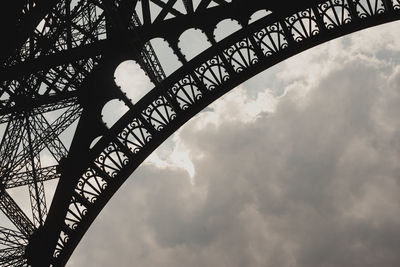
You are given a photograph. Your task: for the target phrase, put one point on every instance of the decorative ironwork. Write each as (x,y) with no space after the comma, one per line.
(213,72)
(25,178)
(335,13)
(91,185)
(367,8)
(111,160)
(12,256)
(186,92)
(159,113)
(396,4)
(15,214)
(76,212)
(12,238)
(271,39)
(134,136)
(241,55)
(303,25)
(65,63)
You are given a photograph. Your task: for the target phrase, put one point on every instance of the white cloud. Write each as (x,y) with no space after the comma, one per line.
(178,156)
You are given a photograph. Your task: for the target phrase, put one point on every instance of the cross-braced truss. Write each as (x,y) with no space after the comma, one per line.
(57,74)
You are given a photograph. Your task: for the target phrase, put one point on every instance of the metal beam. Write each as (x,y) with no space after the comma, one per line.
(46,137)
(54,144)
(36,189)
(12,256)
(15,214)
(25,178)
(9,145)
(12,238)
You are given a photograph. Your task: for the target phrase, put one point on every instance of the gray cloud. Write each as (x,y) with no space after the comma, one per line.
(315,183)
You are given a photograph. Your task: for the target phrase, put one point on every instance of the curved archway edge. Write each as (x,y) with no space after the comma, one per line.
(187,91)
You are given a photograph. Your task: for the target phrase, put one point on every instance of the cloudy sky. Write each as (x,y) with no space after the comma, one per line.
(297,167)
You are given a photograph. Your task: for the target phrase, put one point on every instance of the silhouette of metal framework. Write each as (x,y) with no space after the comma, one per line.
(61,56)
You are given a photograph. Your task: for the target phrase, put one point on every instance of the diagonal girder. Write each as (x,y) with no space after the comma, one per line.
(38,201)
(150,62)
(26,21)
(12,238)
(55,146)
(25,178)
(15,214)
(46,137)
(9,144)
(167,9)
(36,189)
(62,57)
(82,24)
(40,105)
(12,256)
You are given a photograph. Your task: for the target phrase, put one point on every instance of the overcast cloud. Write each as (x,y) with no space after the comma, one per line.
(298,167)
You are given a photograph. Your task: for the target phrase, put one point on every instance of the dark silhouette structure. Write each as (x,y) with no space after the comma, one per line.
(61,55)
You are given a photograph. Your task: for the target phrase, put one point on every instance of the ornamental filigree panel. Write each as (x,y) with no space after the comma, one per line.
(76,211)
(367,8)
(334,13)
(241,55)
(111,160)
(212,73)
(396,4)
(159,113)
(186,92)
(90,185)
(134,136)
(61,242)
(271,39)
(302,25)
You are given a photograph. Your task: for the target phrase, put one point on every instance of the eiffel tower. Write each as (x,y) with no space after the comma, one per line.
(58,60)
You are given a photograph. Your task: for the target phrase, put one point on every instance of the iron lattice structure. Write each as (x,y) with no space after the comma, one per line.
(61,56)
